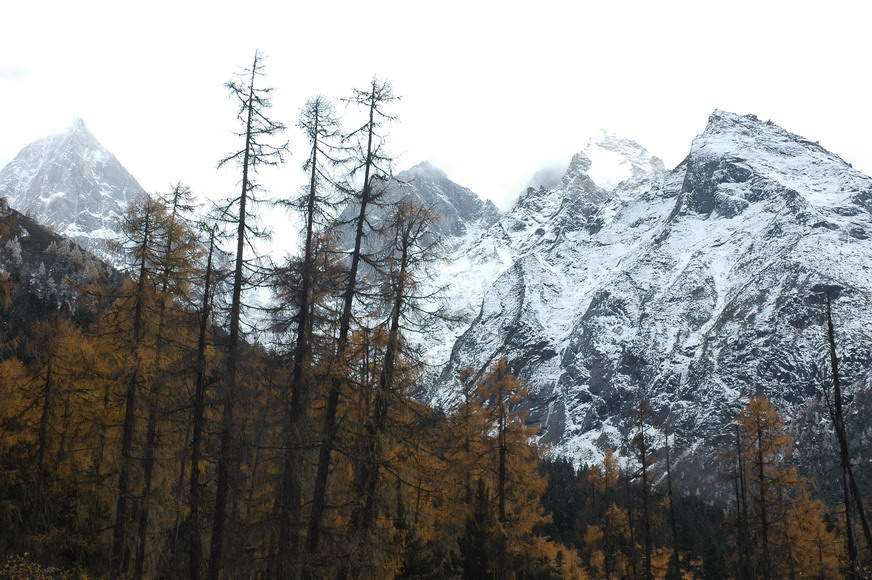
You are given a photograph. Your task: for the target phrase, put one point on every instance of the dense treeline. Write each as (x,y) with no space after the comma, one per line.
(145,433)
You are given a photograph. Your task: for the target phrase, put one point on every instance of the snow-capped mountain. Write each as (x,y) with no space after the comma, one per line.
(461,213)
(72,184)
(690,289)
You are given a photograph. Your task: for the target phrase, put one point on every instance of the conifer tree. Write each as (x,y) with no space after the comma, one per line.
(518,485)
(176,254)
(195,503)
(781,517)
(674,570)
(403,261)
(641,447)
(141,227)
(319,122)
(852,499)
(370,160)
(477,542)
(257,131)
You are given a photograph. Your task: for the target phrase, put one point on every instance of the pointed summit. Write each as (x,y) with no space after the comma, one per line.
(611,159)
(459,208)
(72,184)
(740,160)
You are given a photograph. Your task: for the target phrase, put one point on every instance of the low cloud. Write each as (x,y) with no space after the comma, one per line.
(548,176)
(9,73)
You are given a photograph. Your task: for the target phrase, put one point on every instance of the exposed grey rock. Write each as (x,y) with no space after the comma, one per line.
(691,289)
(72,184)
(458,209)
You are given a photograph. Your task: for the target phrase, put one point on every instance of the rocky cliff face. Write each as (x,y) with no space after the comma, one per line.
(72,184)
(690,289)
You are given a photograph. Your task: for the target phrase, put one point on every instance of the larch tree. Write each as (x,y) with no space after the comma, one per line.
(781,518)
(606,536)
(517,483)
(192,538)
(740,488)
(674,569)
(257,133)
(403,262)
(851,497)
(177,254)
(641,446)
(132,316)
(370,161)
(319,122)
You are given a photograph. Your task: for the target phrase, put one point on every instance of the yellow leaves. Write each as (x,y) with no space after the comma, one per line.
(814,549)
(21,567)
(800,541)
(605,477)
(593,536)
(12,374)
(13,378)
(617,522)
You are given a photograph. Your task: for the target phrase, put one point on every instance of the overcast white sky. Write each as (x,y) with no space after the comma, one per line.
(492,91)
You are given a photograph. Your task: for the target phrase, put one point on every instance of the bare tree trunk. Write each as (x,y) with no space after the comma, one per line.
(744,540)
(646,515)
(175,551)
(42,435)
(674,570)
(290,494)
(329,429)
(195,547)
(151,436)
(631,527)
(764,516)
(851,496)
(226,452)
(147,475)
(385,383)
(119,534)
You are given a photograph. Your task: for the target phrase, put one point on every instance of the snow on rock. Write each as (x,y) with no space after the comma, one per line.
(614,160)
(690,289)
(72,184)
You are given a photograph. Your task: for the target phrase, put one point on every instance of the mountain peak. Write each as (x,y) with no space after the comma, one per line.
(72,184)
(425,169)
(614,159)
(785,167)
(606,161)
(749,130)
(688,289)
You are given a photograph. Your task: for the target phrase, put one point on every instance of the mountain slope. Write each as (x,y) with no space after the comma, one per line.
(690,289)
(72,184)
(45,270)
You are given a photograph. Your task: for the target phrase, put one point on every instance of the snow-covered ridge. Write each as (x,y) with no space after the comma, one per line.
(690,288)
(613,160)
(72,184)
